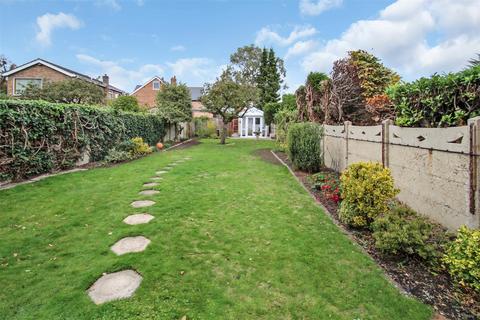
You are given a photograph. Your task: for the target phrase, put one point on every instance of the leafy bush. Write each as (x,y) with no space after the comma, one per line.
(283,119)
(205,128)
(126,103)
(462,258)
(139,148)
(38,137)
(304,146)
(66,91)
(329,184)
(367,189)
(269,111)
(114,156)
(439,101)
(402,231)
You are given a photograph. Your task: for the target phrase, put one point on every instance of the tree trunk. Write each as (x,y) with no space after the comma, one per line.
(223,133)
(176,132)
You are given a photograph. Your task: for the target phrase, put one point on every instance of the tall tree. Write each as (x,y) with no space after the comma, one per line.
(174,104)
(228,98)
(274,77)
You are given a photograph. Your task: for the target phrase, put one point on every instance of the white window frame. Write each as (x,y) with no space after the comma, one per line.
(24,78)
(153,84)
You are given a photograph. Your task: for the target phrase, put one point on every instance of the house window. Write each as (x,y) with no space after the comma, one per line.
(156,85)
(22,83)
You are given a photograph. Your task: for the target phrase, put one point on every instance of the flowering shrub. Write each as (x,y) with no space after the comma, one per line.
(329,184)
(367,188)
(139,148)
(463,257)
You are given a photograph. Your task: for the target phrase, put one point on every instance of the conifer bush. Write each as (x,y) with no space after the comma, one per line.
(304,146)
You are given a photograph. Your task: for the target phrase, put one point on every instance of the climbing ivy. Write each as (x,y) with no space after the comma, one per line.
(38,137)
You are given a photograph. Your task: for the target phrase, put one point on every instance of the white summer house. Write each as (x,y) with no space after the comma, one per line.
(252,123)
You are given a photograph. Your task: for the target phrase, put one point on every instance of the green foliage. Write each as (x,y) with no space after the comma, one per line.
(205,128)
(174,103)
(401,231)
(228,98)
(288,102)
(283,119)
(269,111)
(126,103)
(38,137)
(139,148)
(462,257)
(439,101)
(373,75)
(367,189)
(315,79)
(115,156)
(304,146)
(270,77)
(66,91)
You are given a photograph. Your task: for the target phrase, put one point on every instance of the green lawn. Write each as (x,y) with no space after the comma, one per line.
(234,237)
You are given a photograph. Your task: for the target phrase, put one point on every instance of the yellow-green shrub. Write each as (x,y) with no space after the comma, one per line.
(462,258)
(139,147)
(367,188)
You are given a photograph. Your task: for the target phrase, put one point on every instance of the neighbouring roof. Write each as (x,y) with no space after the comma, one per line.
(138,87)
(66,71)
(196,93)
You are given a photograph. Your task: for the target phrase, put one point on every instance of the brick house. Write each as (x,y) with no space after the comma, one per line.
(39,71)
(146,95)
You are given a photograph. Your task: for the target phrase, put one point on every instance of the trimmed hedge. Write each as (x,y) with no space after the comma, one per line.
(38,137)
(438,101)
(304,146)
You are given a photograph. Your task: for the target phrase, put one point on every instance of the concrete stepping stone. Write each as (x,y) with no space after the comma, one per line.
(114,286)
(142,203)
(149,192)
(130,244)
(167,168)
(139,218)
(161,172)
(156,178)
(150,184)
(173,164)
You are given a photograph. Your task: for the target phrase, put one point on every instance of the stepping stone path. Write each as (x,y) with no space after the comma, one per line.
(149,192)
(139,218)
(142,203)
(150,184)
(123,284)
(114,286)
(130,244)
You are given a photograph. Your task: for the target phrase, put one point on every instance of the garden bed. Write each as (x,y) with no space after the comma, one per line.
(412,275)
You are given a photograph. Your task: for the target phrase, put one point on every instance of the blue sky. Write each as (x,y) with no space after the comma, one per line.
(135,40)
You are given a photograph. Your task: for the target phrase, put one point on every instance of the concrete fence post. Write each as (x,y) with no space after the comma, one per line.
(474,139)
(346,125)
(386,141)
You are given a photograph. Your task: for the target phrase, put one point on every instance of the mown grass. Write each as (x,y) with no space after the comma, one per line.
(234,237)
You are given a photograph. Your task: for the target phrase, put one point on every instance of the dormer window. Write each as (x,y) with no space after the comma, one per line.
(156,85)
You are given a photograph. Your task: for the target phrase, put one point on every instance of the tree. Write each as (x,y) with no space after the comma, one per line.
(253,66)
(274,78)
(126,103)
(288,102)
(228,98)
(5,65)
(66,91)
(474,61)
(174,104)
(269,111)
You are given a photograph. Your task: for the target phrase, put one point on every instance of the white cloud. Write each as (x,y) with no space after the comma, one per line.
(140,3)
(313,8)
(49,22)
(416,37)
(177,48)
(121,77)
(267,36)
(301,47)
(109,3)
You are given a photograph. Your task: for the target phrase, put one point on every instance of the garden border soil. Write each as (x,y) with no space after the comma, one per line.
(411,276)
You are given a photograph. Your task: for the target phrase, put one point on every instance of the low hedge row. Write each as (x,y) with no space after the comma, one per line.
(38,137)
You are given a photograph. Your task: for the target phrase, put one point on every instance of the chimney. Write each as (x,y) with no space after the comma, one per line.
(106,81)
(173,80)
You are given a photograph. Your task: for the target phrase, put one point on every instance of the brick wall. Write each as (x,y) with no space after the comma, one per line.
(38,72)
